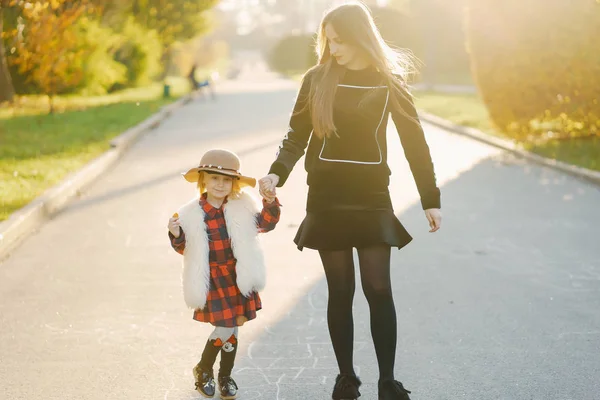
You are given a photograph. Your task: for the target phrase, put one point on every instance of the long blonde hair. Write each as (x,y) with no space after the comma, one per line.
(354,24)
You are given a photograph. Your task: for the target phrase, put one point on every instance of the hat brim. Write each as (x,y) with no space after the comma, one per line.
(194,174)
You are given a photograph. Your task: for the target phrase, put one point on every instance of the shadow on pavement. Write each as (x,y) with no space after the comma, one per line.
(500,304)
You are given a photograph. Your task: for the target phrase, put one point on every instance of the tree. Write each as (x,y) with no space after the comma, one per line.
(537,65)
(293,54)
(47,48)
(440,38)
(173,20)
(7,92)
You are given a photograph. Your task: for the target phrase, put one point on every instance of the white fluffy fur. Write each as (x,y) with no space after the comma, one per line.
(240,217)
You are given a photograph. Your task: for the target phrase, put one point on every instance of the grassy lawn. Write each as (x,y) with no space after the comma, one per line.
(468,110)
(462,109)
(584,152)
(38,150)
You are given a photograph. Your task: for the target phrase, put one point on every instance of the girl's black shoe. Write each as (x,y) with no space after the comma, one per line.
(392,390)
(228,388)
(205,382)
(346,387)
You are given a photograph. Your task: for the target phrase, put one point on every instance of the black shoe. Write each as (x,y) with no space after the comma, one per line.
(392,390)
(205,382)
(346,387)
(228,388)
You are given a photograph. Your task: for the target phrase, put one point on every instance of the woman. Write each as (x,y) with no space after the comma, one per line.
(341,114)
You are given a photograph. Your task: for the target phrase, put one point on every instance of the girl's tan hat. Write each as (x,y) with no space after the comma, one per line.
(222,162)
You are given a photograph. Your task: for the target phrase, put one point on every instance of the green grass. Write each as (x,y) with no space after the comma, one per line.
(468,110)
(34,105)
(462,109)
(38,150)
(584,152)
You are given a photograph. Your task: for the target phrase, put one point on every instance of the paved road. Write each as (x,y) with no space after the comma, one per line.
(502,303)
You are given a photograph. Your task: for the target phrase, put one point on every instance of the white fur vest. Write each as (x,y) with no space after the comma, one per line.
(240,217)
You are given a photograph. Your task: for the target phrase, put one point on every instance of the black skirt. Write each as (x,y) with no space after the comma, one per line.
(338,222)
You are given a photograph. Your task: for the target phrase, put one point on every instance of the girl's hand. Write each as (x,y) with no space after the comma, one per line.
(268,196)
(434,216)
(174,226)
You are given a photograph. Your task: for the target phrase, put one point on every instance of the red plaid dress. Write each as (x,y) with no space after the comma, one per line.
(225,302)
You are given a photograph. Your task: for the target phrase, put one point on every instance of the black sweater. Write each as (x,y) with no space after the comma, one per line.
(357,159)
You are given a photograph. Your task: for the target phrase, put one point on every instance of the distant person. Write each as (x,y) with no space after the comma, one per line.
(341,115)
(208,84)
(223,265)
(192,78)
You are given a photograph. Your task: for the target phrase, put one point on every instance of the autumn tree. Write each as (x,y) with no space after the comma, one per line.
(47,49)
(173,20)
(7,91)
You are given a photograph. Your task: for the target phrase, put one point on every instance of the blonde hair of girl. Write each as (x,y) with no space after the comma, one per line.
(354,24)
(236,189)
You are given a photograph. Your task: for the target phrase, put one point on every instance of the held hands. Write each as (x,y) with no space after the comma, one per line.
(434,216)
(174,226)
(267,190)
(267,187)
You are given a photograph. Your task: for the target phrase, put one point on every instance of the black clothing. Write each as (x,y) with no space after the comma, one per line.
(355,163)
(376,284)
(348,203)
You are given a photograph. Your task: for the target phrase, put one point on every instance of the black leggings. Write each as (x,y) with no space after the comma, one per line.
(375,278)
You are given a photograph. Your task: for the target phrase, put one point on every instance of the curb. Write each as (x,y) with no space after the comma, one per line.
(33,215)
(504,144)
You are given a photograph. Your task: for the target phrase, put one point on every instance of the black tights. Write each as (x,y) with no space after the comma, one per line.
(375,278)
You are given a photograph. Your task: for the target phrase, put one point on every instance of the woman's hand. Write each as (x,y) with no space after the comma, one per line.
(174,225)
(434,216)
(267,187)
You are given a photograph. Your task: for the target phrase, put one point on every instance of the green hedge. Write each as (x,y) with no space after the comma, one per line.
(100,70)
(139,50)
(293,54)
(537,65)
(115,58)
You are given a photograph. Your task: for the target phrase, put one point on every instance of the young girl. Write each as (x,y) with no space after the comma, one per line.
(223,262)
(341,114)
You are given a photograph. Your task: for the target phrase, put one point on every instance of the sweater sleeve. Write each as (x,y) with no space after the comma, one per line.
(417,153)
(295,141)
(268,218)
(178,243)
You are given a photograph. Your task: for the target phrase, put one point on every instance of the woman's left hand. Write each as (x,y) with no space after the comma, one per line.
(434,216)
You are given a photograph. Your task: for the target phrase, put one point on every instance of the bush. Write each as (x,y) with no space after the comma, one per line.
(293,54)
(139,50)
(113,60)
(100,70)
(537,65)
